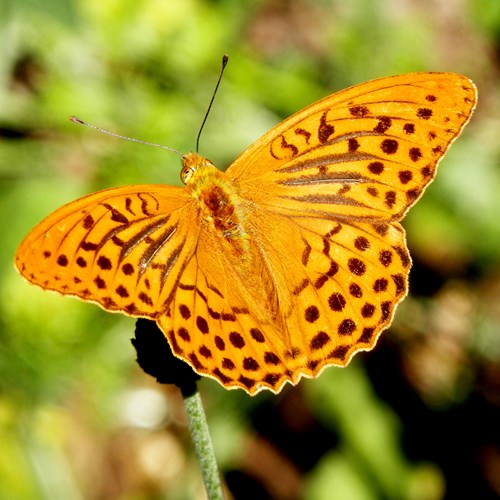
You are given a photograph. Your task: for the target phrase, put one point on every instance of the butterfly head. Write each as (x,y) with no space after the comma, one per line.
(194,165)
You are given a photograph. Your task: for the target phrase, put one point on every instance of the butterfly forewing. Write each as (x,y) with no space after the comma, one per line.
(121,248)
(365,153)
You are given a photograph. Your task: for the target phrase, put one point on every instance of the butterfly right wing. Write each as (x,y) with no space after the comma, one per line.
(122,248)
(363,154)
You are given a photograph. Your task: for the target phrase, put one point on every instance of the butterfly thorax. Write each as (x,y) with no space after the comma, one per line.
(216,195)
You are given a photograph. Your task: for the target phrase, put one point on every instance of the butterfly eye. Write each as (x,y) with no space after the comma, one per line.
(186,173)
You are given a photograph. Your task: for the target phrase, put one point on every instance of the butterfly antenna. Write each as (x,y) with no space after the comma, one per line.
(77,120)
(225,59)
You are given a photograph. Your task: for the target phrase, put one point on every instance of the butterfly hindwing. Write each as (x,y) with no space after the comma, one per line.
(336,286)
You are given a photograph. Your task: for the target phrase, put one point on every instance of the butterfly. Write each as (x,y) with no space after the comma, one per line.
(292,260)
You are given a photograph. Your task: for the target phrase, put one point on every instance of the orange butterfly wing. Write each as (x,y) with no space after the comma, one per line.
(364,153)
(123,248)
(292,260)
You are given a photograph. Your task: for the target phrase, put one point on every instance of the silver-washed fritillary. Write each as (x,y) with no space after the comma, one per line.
(290,261)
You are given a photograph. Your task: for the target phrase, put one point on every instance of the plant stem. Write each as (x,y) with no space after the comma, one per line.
(198,428)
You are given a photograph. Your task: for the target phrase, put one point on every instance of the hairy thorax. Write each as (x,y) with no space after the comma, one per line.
(219,203)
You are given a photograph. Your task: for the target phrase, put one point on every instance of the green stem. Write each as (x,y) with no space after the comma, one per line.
(198,428)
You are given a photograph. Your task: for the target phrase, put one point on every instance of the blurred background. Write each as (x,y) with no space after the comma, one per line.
(417,418)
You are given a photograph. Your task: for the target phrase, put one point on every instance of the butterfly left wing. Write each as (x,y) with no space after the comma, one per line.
(224,318)
(121,248)
(363,154)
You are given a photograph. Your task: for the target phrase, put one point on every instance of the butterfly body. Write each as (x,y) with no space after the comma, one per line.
(290,261)
(216,196)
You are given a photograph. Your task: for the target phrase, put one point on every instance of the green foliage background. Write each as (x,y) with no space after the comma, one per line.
(78,419)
